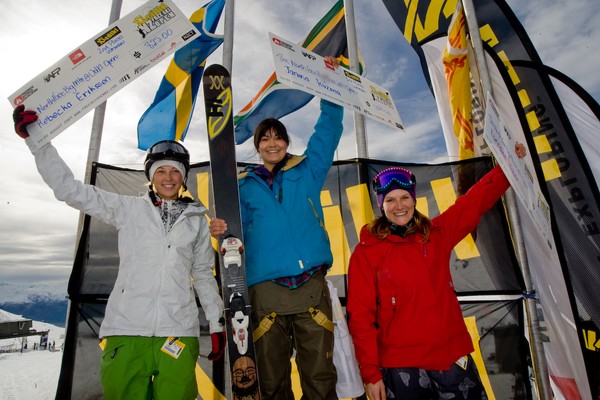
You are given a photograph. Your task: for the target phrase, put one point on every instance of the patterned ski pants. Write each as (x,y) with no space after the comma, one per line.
(419,384)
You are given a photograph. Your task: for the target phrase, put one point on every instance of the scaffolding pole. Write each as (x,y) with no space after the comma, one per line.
(359,119)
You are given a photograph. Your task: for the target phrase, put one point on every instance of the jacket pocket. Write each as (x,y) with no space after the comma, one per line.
(112,349)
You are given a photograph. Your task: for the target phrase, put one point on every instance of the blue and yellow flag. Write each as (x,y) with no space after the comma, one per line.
(169,115)
(274,99)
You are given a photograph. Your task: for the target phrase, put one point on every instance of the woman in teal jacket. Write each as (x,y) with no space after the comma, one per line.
(284,232)
(288,254)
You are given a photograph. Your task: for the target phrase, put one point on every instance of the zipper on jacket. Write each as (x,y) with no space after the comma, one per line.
(169,211)
(389,324)
(316,214)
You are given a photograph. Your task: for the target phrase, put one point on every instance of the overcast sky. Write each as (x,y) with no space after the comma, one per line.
(37,233)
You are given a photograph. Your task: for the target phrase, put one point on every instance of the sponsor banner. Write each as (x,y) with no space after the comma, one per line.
(101,66)
(307,71)
(557,119)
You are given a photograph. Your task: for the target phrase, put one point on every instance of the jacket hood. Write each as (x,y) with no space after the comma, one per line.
(291,162)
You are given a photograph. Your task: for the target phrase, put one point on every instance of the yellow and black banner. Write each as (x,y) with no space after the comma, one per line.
(559,121)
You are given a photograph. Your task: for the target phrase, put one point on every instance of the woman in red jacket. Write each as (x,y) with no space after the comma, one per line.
(408,330)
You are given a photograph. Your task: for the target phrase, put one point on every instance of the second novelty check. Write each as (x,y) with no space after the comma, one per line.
(301,69)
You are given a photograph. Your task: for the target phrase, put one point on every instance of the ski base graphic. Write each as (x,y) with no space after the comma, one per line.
(223,169)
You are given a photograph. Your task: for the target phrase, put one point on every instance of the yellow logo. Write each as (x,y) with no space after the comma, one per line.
(218,109)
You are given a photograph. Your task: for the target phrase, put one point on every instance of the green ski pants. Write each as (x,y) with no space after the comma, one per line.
(135,368)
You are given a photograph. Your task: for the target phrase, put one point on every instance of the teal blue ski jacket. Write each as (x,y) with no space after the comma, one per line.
(284,229)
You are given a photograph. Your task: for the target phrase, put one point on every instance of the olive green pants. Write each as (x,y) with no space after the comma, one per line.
(294,329)
(135,368)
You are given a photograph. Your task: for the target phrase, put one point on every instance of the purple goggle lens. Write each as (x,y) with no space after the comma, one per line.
(403,178)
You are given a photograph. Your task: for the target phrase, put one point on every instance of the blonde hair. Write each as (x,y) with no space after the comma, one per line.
(380,227)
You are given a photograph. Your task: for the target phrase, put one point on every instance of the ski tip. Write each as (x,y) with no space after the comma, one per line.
(216,69)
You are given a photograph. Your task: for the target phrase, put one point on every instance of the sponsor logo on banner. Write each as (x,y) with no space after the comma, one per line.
(157,57)
(188,35)
(352,76)
(381,97)
(107,36)
(154,19)
(310,56)
(53,74)
(23,96)
(76,56)
(138,70)
(283,44)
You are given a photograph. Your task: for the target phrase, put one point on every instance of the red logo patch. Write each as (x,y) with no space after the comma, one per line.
(76,56)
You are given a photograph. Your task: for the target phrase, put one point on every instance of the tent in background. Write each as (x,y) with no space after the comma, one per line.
(485,271)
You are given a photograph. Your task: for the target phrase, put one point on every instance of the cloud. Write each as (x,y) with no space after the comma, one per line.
(566,36)
(37,233)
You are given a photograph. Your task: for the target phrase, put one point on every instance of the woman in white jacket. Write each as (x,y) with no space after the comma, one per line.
(151,321)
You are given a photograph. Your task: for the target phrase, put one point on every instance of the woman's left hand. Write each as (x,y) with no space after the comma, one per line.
(333,61)
(217,227)
(376,391)
(520,150)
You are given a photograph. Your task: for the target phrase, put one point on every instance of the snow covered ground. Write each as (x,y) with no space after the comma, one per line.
(30,374)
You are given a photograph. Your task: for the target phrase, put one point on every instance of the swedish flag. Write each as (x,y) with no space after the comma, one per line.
(169,115)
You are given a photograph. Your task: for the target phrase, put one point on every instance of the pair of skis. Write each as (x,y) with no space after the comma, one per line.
(223,169)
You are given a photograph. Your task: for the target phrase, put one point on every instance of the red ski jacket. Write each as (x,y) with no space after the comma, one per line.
(402,308)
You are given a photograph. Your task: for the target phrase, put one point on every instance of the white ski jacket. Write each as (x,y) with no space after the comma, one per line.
(153,294)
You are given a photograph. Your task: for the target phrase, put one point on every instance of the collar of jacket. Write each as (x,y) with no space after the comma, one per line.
(291,163)
(194,203)
(366,238)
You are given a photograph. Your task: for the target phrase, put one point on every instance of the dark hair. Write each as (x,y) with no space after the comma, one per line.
(265,126)
(380,227)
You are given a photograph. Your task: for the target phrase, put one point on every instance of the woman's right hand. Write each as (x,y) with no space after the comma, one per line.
(376,391)
(22,118)
(217,227)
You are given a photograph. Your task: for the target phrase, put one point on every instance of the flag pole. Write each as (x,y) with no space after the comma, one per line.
(65,379)
(359,119)
(538,355)
(228,35)
(98,121)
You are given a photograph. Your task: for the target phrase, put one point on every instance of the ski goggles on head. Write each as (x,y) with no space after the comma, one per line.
(167,147)
(385,179)
(166,150)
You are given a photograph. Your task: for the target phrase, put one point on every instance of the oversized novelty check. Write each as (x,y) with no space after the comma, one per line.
(520,172)
(307,71)
(102,66)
